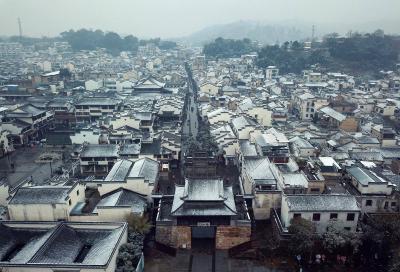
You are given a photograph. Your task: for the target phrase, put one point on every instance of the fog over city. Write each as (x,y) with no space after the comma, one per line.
(176,18)
(200,135)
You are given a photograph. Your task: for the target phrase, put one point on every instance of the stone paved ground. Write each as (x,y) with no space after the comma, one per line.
(160,262)
(25,166)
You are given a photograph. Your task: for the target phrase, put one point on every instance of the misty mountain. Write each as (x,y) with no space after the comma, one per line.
(262,32)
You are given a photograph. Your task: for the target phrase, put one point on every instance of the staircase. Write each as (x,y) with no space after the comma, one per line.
(247,250)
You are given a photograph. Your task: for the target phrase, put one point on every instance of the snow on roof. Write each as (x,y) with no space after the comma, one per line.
(123,198)
(260,170)
(60,243)
(306,96)
(242,122)
(333,114)
(203,197)
(321,203)
(295,179)
(145,168)
(41,195)
(247,148)
(204,190)
(51,74)
(300,142)
(119,171)
(364,176)
(328,161)
(94,150)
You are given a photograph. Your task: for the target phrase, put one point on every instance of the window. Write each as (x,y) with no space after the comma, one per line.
(347,228)
(297,215)
(316,217)
(393,204)
(333,216)
(315,190)
(77,192)
(306,115)
(386,205)
(368,202)
(69,202)
(351,216)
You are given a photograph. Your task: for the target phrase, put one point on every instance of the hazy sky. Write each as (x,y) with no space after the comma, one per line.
(173,18)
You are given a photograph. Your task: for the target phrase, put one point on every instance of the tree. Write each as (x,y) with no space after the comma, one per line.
(338,240)
(296,46)
(228,48)
(381,237)
(130,253)
(302,239)
(138,224)
(394,265)
(113,42)
(131,43)
(65,73)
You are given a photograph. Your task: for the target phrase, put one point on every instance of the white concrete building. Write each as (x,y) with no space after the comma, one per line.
(45,203)
(260,113)
(60,246)
(209,88)
(219,115)
(243,126)
(320,209)
(140,176)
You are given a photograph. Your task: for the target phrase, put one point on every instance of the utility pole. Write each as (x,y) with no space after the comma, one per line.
(20,28)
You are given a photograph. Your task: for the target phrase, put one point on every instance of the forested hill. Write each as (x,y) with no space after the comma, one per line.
(228,48)
(84,39)
(358,52)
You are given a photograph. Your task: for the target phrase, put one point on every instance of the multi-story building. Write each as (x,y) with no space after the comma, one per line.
(97,160)
(321,209)
(91,109)
(45,203)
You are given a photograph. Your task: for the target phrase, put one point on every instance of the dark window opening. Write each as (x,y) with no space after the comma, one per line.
(334,216)
(297,215)
(351,216)
(316,217)
(368,202)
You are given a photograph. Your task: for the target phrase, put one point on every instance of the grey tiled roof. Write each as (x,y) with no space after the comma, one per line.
(145,168)
(124,198)
(333,114)
(94,150)
(321,203)
(364,176)
(259,169)
(203,197)
(119,171)
(59,243)
(41,195)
